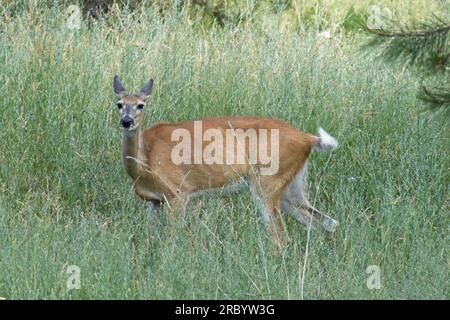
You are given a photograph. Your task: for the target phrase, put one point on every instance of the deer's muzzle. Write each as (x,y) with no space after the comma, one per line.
(127,122)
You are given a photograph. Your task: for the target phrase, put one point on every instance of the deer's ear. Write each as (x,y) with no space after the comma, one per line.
(146,91)
(118,87)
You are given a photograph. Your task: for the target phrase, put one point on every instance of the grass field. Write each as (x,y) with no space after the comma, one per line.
(66,200)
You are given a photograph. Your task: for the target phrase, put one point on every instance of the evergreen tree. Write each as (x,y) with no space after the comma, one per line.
(426,48)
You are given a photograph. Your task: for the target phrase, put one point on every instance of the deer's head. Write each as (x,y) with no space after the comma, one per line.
(131,106)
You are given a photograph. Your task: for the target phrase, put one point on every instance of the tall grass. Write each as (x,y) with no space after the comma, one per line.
(66,200)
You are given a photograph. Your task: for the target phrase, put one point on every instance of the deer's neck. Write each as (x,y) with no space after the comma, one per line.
(131,153)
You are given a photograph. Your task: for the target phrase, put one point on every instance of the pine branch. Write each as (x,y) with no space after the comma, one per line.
(423,34)
(436,98)
(426,46)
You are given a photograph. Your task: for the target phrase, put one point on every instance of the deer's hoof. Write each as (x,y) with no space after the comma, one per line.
(330,225)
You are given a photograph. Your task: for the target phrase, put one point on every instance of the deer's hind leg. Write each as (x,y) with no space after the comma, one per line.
(268,195)
(294,201)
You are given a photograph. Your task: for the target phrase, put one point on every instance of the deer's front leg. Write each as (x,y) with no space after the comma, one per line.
(154,208)
(147,195)
(177,205)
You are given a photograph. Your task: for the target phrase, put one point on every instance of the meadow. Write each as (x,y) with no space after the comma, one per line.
(65,198)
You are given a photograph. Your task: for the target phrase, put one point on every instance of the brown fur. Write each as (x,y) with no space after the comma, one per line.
(155,173)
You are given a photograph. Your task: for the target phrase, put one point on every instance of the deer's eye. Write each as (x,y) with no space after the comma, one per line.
(119,106)
(140,106)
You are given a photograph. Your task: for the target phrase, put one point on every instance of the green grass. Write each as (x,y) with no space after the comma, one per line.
(66,200)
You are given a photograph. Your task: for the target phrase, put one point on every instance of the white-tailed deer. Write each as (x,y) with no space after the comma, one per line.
(172,162)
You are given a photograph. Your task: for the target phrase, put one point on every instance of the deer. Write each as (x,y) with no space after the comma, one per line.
(163,173)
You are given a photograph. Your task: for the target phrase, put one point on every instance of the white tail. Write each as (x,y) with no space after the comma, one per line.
(325,141)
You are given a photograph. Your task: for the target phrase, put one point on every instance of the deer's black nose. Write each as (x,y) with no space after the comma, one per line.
(126,122)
